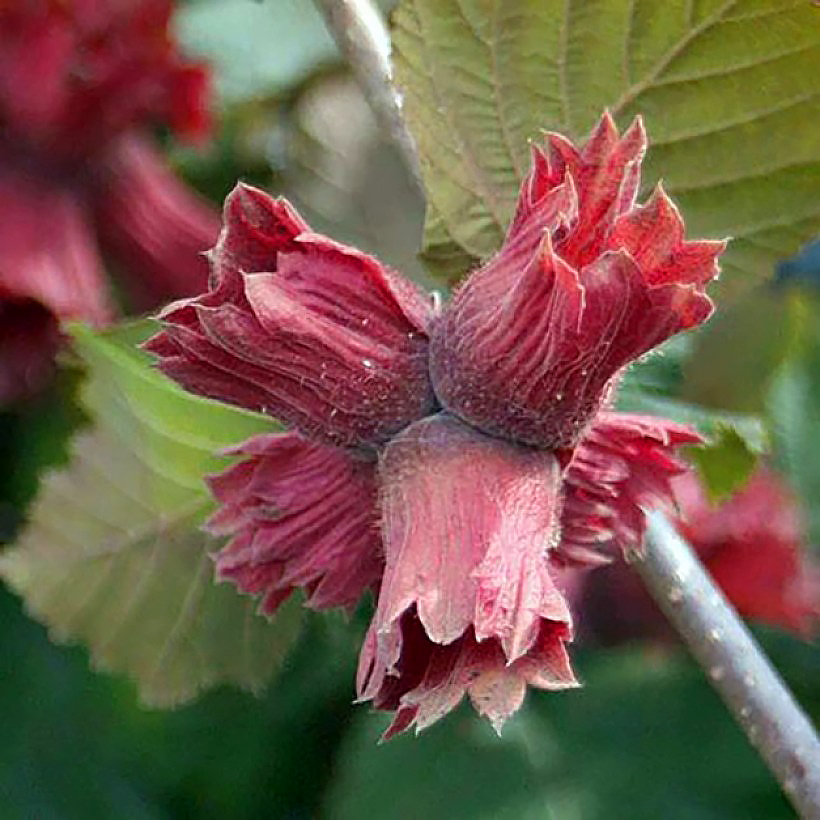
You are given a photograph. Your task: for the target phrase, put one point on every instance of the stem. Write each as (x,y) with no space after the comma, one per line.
(361,35)
(737,668)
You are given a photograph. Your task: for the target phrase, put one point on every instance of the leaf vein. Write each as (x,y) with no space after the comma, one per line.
(727,71)
(734,179)
(136,594)
(190,605)
(717,128)
(665,61)
(760,15)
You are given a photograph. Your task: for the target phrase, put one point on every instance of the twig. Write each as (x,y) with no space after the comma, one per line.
(736,666)
(360,33)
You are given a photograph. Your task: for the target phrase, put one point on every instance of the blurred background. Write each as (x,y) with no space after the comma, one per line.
(645,737)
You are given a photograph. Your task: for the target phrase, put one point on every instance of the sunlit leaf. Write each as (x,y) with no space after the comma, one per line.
(728,89)
(113,556)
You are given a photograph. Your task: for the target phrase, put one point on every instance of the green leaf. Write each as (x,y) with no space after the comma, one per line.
(113,556)
(725,465)
(728,89)
(580,754)
(634,740)
(34,437)
(659,372)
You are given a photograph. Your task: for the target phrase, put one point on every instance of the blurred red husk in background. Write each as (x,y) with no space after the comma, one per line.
(81,81)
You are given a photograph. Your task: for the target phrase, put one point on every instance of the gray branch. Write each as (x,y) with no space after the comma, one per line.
(358,28)
(734,662)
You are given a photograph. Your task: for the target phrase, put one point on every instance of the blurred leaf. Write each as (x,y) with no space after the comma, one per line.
(234,153)
(795,428)
(659,372)
(794,410)
(256,48)
(229,757)
(113,555)
(226,755)
(458,770)
(725,465)
(729,91)
(736,355)
(49,766)
(733,441)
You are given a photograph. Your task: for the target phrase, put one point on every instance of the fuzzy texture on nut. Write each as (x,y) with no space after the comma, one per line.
(468,603)
(467,523)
